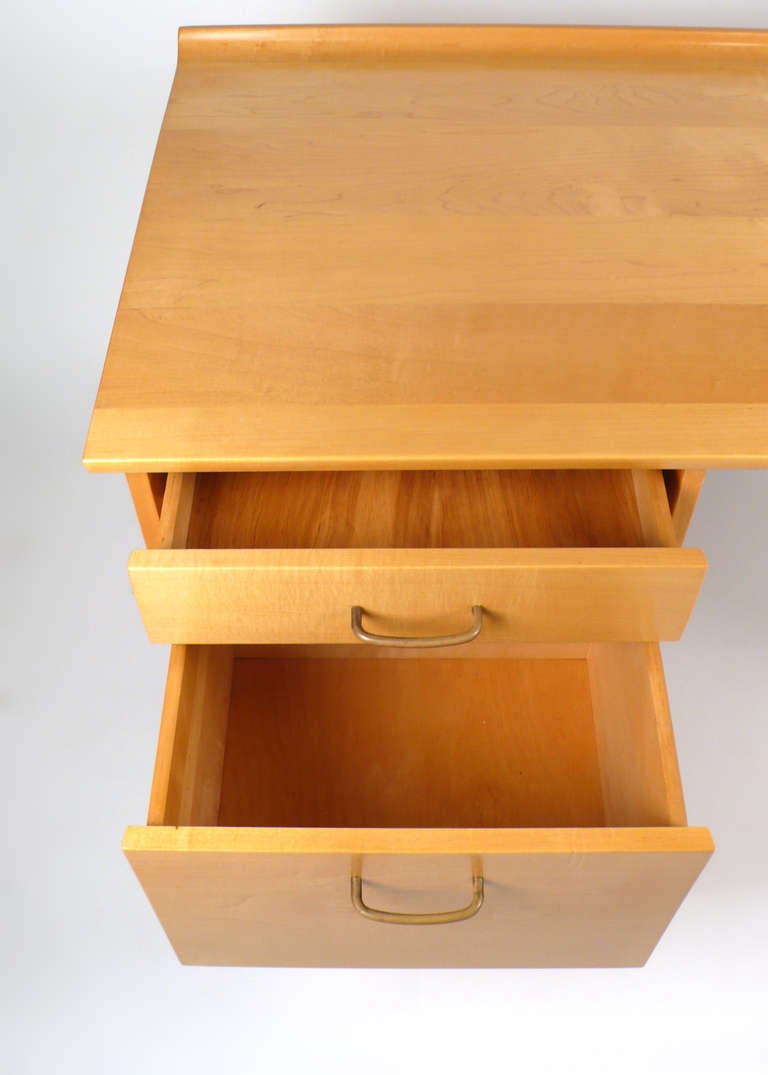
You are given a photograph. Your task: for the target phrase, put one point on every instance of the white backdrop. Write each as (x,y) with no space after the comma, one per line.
(88,982)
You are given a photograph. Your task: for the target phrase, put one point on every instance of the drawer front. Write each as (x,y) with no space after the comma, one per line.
(281,897)
(305,596)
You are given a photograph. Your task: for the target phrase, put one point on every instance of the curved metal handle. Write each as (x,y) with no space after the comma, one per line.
(400,918)
(417,643)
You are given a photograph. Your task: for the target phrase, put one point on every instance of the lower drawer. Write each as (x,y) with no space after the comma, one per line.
(488,806)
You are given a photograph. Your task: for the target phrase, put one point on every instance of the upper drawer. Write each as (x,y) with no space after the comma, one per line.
(284,558)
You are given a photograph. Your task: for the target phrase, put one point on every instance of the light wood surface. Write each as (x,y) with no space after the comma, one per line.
(683,488)
(526,247)
(358,437)
(646,45)
(411,744)
(147,500)
(190,755)
(553,898)
(305,595)
(635,742)
(498,741)
(420,509)
(653,508)
(333,766)
(176,511)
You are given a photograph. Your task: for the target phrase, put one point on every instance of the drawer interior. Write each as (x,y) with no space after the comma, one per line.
(497,736)
(429,509)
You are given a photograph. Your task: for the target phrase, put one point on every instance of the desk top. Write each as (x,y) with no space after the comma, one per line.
(374,247)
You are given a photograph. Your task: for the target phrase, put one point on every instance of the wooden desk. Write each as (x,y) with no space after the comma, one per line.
(427,320)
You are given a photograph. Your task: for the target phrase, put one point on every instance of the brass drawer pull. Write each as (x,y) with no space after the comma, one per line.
(417,643)
(435,918)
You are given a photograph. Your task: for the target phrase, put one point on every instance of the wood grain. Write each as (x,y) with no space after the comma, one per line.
(635,742)
(188,769)
(683,488)
(208,44)
(653,509)
(280,897)
(411,744)
(469,436)
(147,505)
(570,260)
(531,353)
(176,511)
(305,595)
(418,509)
(537,260)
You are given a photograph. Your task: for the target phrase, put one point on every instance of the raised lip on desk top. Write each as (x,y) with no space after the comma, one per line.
(220,43)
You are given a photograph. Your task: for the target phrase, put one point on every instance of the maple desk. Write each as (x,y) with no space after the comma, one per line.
(443,324)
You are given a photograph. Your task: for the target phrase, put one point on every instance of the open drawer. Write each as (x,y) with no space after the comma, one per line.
(492,805)
(567,556)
